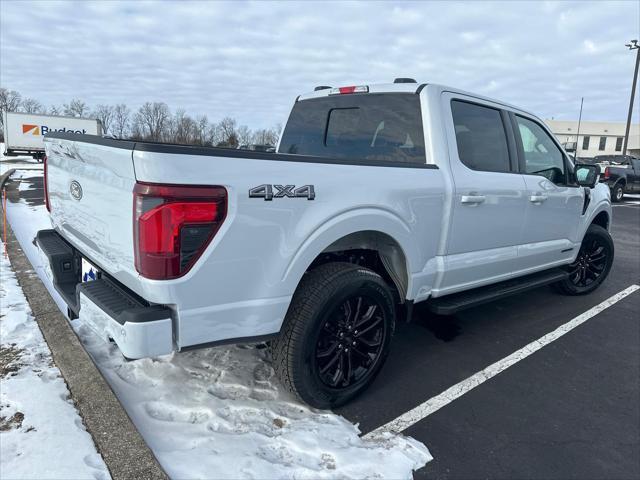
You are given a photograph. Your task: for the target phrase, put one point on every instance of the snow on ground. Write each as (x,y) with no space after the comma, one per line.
(24,185)
(24,162)
(41,433)
(221,413)
(18,164)
(26,220)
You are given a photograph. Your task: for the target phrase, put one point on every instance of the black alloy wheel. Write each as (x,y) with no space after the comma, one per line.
(350,343)
(592,264)
(336,335)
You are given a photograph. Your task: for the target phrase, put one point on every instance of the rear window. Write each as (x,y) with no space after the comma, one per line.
(480,136)
(374,127)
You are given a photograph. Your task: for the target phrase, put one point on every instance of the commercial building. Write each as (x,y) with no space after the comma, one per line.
(596,138)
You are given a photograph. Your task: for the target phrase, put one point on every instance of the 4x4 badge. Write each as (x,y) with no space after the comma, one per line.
(266,192)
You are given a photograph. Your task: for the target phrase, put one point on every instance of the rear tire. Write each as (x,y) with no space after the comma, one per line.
(592,265)
(617,192)
(336,335)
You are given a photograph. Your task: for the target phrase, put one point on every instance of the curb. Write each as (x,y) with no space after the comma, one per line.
(116,438)
(5,176)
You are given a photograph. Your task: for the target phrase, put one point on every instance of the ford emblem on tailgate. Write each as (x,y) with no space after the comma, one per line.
(76,190)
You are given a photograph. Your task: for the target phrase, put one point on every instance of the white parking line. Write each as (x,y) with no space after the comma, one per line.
(434,404)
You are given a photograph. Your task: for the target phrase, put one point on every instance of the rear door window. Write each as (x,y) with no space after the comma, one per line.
(480,137)
(373,127)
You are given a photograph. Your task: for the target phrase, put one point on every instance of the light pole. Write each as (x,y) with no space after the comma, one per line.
(633,45)
(575,153)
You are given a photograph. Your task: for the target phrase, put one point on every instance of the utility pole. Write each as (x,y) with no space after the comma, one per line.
(575,154)
(633,45)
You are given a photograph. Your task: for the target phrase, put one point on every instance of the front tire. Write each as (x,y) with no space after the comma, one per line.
(336,335)
(617,193)
(592,265)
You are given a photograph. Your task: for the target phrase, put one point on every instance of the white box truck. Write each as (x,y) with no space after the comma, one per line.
(24,132)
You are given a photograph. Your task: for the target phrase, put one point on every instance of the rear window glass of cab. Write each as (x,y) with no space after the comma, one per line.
(373,127)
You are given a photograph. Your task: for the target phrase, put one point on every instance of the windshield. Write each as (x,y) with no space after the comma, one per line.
(375,127)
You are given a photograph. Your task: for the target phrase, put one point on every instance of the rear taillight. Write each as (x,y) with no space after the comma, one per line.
(352,89)
(46,184)
(173,225)
(606,173)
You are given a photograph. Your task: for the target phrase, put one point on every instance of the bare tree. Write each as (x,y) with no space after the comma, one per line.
(136,132)
(9,102)
(120,124)
(228,134)
(245,135)
(76,108)
(151,121)
(31,105)
(213,135)
(184,129)
(266,136)
(104,113)
(201,129)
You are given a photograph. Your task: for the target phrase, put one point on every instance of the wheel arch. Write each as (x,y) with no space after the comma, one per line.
(375,250)
(602,219)
(364,229)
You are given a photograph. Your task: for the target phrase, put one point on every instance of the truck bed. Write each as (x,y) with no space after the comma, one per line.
(173,148)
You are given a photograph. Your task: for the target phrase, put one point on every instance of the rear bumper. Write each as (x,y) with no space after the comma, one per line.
(107,307)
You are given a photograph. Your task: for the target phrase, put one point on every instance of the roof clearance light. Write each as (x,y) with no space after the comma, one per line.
(352,89)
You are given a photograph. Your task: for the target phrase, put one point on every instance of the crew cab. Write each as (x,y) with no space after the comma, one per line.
(378,197)
(623,177)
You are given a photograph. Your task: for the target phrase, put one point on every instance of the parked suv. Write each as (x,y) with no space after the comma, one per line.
(379,197)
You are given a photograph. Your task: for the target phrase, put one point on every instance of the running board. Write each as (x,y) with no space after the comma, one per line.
(450,304)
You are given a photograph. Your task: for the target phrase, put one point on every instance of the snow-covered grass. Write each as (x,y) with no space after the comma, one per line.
(41,433)
(220,412)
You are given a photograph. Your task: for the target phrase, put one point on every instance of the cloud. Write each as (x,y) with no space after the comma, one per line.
(251,59)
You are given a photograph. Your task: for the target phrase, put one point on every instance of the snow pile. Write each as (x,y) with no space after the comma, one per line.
(220,413)
(41,433)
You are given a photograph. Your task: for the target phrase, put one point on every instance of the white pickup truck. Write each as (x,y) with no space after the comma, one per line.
(378,197)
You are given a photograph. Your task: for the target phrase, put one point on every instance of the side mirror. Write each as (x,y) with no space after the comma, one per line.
(587,175)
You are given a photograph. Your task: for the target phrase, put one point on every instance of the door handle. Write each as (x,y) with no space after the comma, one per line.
(537,198)
(472,199)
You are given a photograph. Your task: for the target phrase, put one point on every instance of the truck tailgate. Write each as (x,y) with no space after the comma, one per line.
(90,189)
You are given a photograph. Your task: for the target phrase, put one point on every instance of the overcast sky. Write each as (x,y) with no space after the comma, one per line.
(250,60)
